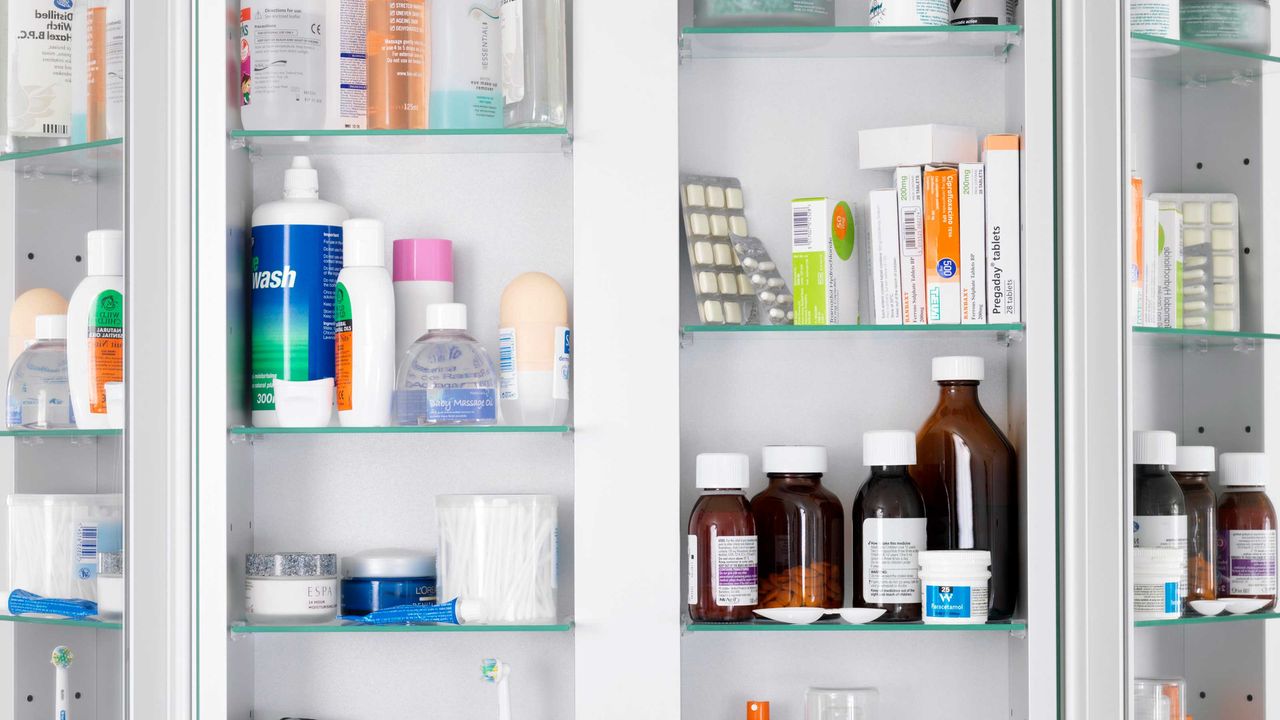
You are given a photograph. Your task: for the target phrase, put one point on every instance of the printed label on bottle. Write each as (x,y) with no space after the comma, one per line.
(246,64)
(106,347)
(890,568)
(734,569)
(560,368)
(352,69)
(1163,531)
(295,271)
(446,405)
(1153,17)
(955,601)
(1157,598)
(342,343)
(272,596)
(85,541)
(511,19)
(508,377)
(1246,562)
(39,72)
(693,569)
(281,54)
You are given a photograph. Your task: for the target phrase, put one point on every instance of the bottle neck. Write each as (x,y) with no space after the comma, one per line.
(958,392)
(794,479)
(722,491)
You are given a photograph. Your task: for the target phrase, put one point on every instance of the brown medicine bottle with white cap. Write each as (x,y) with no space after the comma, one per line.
(1192,470)
(889,528)
(723,567)
(967,473)
(1246,529)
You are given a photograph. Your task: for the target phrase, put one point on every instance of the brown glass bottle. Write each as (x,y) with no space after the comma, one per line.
(800,525)
(967,473)
(723,568)
(889,529)
(1192,473)
(1246,530)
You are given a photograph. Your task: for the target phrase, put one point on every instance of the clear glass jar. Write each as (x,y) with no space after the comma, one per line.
(447,377)
(1237,24)
(39,394)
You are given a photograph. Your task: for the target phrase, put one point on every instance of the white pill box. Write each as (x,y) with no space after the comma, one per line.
(883,265)
(713,212)
(774,303)
(934,144)
(1210,244)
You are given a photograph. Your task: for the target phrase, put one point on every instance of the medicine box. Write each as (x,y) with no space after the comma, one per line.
(883,267)
(1169,267)
(942,245)
(824,262)
(973,244)
(1150,262)
(1004,229)
(887,148)
(908,183)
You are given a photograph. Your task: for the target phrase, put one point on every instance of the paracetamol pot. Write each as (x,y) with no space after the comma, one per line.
(1156,575)
(954,586)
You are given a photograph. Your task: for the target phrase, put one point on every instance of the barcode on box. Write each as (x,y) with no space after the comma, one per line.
(912,237)
(801,226)
(87,543)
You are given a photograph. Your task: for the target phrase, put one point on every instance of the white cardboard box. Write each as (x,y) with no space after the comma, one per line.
(1004,229)
(908,183)
(973,244)
(885,270)
(887,148)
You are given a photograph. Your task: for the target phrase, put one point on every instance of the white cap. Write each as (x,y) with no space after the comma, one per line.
(362,243)
(389,563)
(1154,447)
(51,327)
(795,459)
(1194,458)
(723,471)
(958,367)
(1242,469)
(106,252)
(446,316)
(301,180)
(888,447)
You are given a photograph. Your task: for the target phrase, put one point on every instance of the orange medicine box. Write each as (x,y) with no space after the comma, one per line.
(942,244)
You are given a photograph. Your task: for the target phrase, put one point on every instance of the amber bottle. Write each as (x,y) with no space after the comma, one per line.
(1246,529)
(967,473)
(1195,463)
(723,566)
(889,528)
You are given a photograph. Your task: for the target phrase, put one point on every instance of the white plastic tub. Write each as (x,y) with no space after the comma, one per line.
(954,586)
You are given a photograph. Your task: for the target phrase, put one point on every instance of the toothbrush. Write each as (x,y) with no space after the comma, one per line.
(61,660)
(496,671)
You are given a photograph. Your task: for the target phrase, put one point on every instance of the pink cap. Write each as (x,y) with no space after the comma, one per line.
(422,259)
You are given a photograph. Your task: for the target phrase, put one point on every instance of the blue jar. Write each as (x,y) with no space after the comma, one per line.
(377,579)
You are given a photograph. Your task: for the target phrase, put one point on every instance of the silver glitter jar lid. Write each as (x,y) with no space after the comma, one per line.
(291,565)
(110,563)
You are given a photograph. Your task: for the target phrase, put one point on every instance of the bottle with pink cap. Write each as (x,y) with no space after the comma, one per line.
(422,275)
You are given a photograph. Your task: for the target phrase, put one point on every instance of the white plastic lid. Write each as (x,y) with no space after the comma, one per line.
(1242,469)
(806,459)
(888,447)
(1195,459)
(723,471)
(446,316)
(958,367)
(957,561)
(301,180)
(51,327)
(362,243)
(1154,447)
(389,563)
(1158,560)
(106,252)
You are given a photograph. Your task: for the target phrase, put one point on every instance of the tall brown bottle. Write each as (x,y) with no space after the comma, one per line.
(967,473)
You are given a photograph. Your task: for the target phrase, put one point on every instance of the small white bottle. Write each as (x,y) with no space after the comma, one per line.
(422,271)
(533,351)
(364,328)
(95,330)
(282,65)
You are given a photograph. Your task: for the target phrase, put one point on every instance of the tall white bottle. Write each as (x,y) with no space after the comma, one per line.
(364,328)
(95,330)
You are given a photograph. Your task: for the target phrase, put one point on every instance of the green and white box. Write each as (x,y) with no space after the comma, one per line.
(1169,267)
(824,262)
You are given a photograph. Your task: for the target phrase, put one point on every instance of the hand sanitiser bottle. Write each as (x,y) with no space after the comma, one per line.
(446,378)
(95,330)
(38,37)
(533,351)
(466,62)
(365,328)
(282,64)
(39,398)
(534,84)
(296,250)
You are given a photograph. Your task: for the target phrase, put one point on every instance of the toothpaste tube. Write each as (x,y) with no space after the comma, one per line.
(411,614)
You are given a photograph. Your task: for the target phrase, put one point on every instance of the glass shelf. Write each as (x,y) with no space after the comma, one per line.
(406,430)
(68,433)
(68,159)
(990,41)
(1200,620)
(64,622)
(841,626)
(402,142)
(1200,339)
(871,329)
(1184,62)
(341,627)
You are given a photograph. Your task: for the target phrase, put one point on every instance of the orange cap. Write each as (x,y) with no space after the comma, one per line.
(757,710)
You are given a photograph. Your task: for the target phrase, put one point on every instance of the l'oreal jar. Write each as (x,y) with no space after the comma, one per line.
(110,585)
(379,579)
(290,588)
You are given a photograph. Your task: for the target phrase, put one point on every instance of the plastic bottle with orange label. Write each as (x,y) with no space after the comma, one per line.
(399,64)
(364,328)
(95,330)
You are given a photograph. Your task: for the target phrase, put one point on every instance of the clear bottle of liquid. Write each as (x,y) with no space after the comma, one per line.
(39,395)
(447,377)
(534,74)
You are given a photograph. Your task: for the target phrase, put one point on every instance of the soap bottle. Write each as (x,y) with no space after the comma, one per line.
(39,398)
(364,328)
(422,275)
(1246,530)
(534,75)
(967,473)
(889,528)
(466,65)
(398,64)
(95,330)
(447,377)
(533,351)
(1159,507)
(1195,463)
(296,249)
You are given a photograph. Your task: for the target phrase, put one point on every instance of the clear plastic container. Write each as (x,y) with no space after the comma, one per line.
(535,85)
(829,704)
(1159,699)
(1236,24)
(739,13)
(54,541)
(39,395)
(447,377)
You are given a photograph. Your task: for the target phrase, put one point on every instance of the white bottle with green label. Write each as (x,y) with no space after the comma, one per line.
(95,330)
(364,328)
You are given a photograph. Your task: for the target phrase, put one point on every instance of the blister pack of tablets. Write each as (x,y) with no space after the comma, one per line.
(774,302)
(713,210)
(1210,258)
